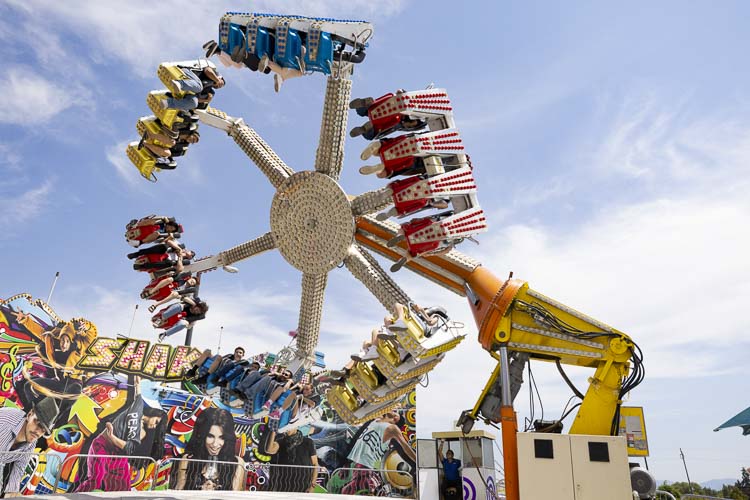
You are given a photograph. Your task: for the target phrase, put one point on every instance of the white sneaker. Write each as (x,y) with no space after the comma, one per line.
(263,63)
(387,214)
(372,149)
(395,240)
(398,326)
(371,169)
(372,353)
(277,81)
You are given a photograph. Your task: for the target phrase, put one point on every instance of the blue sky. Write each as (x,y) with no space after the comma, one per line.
(610,145)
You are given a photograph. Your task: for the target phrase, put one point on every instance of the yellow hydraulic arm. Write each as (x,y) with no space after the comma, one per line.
(509,314)
(512,315)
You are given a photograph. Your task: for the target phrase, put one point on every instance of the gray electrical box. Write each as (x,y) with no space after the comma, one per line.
(574,467)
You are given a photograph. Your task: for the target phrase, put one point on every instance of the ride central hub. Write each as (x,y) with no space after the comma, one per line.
(312,222)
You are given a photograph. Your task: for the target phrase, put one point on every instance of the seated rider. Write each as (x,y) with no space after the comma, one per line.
(185,138)
(198,86)
(227,364)
(158,143)
(171,260)
(282,73)
(177,293)
(368,130)
(283,397)
(236,59)
(256,385)
(179,316)
(210,362)
(151,229)
(160,287)
(406,124)
(168,245)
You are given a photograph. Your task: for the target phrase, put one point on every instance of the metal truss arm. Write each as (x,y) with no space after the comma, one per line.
(329,158)
(250,142)
(366,269)
(235,254)
(372,201)
(310,314)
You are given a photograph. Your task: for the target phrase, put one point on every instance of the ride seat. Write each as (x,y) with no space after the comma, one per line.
(143,160)
(169,116)
(416,343)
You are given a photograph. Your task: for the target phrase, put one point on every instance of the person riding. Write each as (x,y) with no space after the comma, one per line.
(151,229)
(179,316)
(161,287)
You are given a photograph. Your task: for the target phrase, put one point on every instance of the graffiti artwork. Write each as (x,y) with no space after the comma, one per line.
(81,412)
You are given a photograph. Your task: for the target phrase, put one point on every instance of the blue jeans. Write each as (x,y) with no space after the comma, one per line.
(171,311)
(192,85)
(180,325)
(187,103)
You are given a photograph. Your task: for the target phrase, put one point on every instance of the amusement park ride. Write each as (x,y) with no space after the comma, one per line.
(427,208)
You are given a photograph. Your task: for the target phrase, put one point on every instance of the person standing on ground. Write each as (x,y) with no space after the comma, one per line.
(451,474)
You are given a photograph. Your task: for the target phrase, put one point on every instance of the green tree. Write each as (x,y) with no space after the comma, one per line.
(744,483)
(733,492)
(682,488)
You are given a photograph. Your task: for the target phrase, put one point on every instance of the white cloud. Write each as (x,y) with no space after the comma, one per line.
(119,159)
(671,148)
(20,209)
(248,316)
(31,99)
(669,266)
(9,156)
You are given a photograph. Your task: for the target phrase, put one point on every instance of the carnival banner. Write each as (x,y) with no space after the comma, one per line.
(123,414)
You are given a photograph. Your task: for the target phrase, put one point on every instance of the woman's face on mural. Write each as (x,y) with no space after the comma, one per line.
(214,440)
(151,422)
(65,343)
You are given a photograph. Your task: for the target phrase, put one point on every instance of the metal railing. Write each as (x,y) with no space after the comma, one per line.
(690,496)
(282,477)
(107,472)
(198,474)
(51,462)
(60,474)
(373,482)
(665,494)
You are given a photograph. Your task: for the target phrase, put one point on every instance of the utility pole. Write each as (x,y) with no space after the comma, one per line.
(132,320)
(189,333)
(52,289)
(690,485)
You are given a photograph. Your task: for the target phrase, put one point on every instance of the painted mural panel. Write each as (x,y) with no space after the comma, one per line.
(80,412)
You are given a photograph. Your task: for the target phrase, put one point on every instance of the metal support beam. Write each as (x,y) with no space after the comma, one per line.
(310,314)
(250,142)
(366,269)
(329,158)
(372,201)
